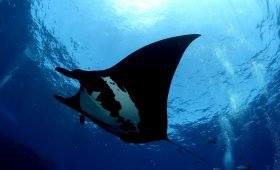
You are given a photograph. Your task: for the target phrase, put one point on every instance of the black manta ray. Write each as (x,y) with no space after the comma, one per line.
(129,99)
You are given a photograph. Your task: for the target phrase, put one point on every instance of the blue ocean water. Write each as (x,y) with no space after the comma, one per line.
(226,88)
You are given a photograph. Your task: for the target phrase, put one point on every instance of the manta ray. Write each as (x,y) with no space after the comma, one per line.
(129,99)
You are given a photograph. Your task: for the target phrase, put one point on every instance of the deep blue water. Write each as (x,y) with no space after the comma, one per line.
(227,86)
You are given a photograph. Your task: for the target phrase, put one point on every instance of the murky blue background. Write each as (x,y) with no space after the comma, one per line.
(226,87)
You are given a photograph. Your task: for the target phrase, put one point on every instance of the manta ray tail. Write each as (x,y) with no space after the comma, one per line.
(187,151)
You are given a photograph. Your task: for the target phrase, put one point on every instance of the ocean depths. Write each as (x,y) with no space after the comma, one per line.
(223,103)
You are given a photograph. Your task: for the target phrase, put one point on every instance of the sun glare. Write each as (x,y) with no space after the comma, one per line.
(139,12)
(137,7)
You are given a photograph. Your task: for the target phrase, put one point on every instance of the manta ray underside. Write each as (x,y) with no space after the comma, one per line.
(130,98)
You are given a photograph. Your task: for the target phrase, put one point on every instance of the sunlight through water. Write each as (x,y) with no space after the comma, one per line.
(139,14)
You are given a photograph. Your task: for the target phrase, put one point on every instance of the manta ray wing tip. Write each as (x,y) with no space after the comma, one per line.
(195,35)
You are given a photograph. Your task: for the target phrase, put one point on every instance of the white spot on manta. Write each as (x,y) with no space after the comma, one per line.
(128,109)
(93,108)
